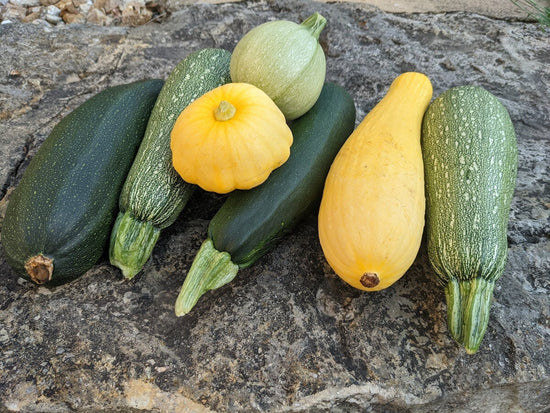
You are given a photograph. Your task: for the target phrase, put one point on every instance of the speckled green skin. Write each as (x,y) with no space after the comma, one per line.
(153,190)
(470,157)
(66,202)
(154,194)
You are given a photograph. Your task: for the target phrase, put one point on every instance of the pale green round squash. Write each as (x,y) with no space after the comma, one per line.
(285,60)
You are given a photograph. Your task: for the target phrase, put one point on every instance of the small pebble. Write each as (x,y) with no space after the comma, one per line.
(85,7)
(30,17)
(53,19)
(26,3)
(52,11)
(21,281)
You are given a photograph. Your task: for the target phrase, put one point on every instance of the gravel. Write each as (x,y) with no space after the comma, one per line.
(100,12)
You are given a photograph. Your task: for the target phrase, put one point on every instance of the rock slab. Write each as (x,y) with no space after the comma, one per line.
(287,335)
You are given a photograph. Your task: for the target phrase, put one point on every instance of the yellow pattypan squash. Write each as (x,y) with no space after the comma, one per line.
(230,138)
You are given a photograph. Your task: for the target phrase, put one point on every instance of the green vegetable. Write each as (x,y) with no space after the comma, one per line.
(250,222)
(60,215)
(470,156)
(154,195)
(285,60)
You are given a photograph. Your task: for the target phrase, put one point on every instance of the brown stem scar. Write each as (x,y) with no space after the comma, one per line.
(370,280)
(39,268)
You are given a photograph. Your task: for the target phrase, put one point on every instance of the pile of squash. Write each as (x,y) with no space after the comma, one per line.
(262,125)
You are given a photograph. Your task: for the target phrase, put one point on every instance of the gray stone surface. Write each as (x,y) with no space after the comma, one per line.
(287,334)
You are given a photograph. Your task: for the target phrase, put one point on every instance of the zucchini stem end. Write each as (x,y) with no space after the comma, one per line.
(39,268)
(132,242)
(468,307)
(211,269)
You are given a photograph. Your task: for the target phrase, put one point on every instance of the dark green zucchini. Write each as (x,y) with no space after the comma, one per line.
(249,222)
(59,217)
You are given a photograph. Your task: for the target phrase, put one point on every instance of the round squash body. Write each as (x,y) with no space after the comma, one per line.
(371,216)
(230,138)
(285,60)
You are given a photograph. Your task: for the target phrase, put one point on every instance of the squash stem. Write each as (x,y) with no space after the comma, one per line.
(132,242)
(468,307)
(39,268)
(210,270)
(315,24)
(224,111)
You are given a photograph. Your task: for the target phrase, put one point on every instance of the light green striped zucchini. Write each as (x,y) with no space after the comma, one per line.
(470,159)
(154,195)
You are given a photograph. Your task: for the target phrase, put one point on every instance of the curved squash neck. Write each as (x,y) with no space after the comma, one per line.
(404,104)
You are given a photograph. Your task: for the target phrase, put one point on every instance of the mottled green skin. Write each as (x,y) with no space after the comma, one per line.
(153,190)
(470,158)
(249,222)
(154,194)
(66,202)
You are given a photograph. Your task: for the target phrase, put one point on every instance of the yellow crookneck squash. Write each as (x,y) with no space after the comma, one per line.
(230,138)
(371,216)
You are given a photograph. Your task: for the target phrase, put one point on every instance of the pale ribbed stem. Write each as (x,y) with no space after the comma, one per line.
(210,270)
(132,242)
(468,307)
(315,24)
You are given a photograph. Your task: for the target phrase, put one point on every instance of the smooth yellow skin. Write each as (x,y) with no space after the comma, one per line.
(371,216)
(220,149)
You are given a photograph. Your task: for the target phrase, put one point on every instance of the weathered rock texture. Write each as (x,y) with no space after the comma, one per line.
(287,334)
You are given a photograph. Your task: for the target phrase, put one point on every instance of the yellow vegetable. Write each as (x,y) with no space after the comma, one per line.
(371,216)
(230,138)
